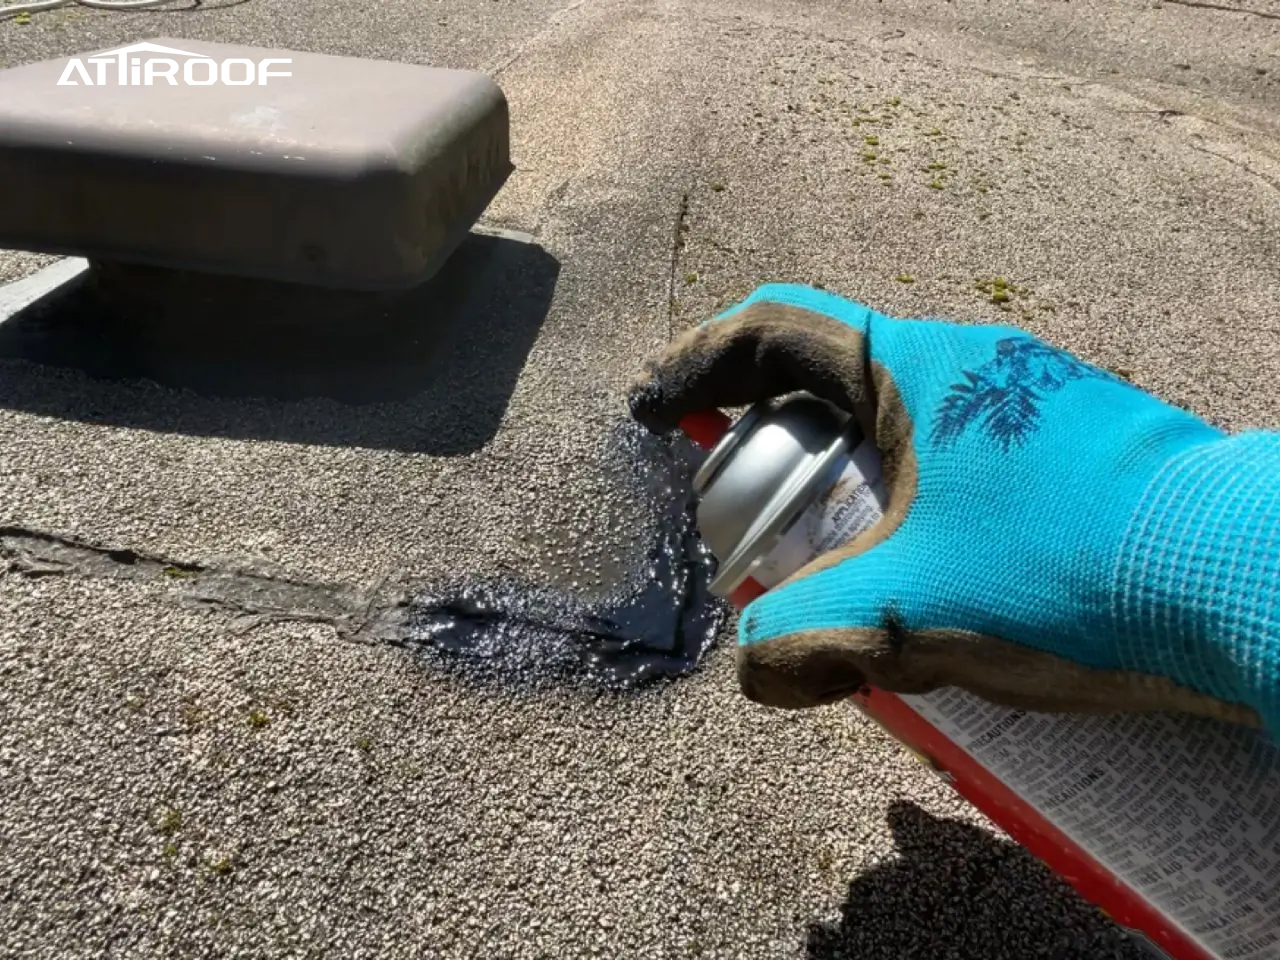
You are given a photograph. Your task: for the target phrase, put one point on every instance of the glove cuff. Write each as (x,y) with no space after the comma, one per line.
(1198,574)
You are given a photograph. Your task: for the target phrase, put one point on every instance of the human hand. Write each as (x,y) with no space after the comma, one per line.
(1051,540)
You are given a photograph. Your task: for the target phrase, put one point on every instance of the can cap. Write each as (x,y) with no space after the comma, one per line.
(762,475)
(725,448)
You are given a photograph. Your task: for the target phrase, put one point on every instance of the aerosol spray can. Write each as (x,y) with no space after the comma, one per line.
(1170,824)
(789,481)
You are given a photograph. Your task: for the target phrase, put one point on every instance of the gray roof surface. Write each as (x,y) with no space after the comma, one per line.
(191,779)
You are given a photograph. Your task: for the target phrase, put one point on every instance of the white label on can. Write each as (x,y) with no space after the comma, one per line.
(854,502)
(1183,810)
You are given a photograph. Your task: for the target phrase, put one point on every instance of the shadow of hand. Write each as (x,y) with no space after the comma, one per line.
(957,891)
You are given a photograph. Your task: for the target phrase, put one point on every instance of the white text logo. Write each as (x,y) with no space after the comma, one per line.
(126,70)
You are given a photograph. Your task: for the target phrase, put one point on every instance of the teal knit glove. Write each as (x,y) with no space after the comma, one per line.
(1056,539)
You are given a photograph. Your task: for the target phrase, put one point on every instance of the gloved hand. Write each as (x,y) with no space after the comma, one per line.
(1056,539)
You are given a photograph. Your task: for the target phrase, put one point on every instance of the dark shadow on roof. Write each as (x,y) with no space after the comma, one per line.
(430,370)
(955,890)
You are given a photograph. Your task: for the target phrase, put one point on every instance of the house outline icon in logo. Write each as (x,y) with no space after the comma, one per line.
(147,48)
